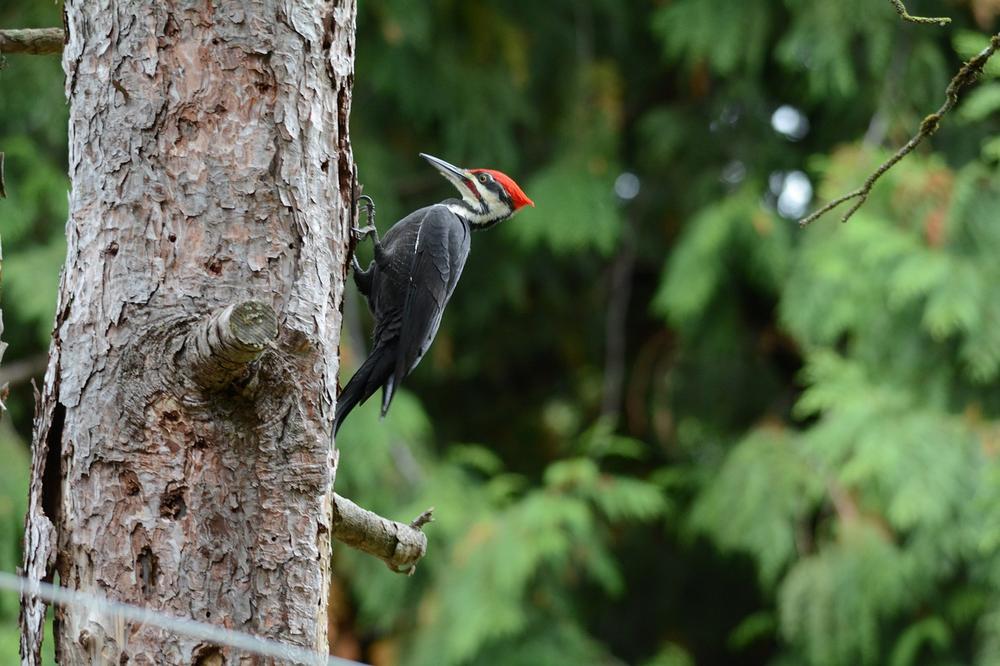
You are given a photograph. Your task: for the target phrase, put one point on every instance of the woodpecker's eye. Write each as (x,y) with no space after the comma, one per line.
(484,178)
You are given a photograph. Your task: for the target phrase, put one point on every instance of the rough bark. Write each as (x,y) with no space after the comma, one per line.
(182,453)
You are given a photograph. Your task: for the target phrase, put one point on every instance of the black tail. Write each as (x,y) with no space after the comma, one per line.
(372,374)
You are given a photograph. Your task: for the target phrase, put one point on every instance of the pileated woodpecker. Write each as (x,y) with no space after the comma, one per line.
(417,265)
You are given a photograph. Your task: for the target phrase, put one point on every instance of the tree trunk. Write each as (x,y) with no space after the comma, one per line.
(182,454)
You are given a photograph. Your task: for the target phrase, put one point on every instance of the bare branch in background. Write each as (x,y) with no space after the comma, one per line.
(967,75)
(925,20)
(33,41)
(615,342)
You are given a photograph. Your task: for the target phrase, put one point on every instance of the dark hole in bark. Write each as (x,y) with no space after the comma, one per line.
(123,659)
(343,104)
(171,416)
(186,128)
(172,503)
(130,480)
(52,479)
(215,267)
(172,238)
(113,249)
(200,443)
(272,168)
(208,655)
(148,566)
(327,31)
(325,166)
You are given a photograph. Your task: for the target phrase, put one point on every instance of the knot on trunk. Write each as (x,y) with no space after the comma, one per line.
(219,350)
(203,378)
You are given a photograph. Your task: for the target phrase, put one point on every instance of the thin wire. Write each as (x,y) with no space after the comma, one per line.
(185,627)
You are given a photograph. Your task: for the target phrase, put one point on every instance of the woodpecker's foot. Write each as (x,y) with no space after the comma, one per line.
(361,233)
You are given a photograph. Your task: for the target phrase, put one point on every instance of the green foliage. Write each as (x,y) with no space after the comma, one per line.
(931,632)
(30,281)
(590,218)
(832,603)
(831,53)
(758,502)
(892,310)
(968,43)
(981,103)
(724,236)
(691,30)
(496,537)
(671,655)
(33,117)
(13,504)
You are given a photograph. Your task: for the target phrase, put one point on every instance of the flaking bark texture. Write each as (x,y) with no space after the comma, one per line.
(211,167)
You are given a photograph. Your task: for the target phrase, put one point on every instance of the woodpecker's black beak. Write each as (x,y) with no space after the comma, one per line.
(442,166)
(460,178)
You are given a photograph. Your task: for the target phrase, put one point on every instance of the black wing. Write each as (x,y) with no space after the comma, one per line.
(424,260)
(439,256)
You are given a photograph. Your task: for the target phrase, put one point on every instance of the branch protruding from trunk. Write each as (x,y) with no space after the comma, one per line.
(33,41)
(399,545)
(219,349)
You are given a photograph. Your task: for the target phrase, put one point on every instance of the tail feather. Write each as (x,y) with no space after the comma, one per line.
(372,374)
(388,390)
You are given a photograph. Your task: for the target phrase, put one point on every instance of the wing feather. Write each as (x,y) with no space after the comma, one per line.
(441,248)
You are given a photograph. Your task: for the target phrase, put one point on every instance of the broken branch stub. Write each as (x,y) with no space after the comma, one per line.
(33,41)
(219,349)
(399,545)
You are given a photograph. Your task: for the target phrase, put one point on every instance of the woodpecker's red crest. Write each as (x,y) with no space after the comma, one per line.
(517,195)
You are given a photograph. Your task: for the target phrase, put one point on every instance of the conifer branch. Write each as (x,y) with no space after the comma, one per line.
(925,20)
(967,75)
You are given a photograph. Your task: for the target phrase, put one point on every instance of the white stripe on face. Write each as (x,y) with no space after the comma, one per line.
(493,203)
(461,184)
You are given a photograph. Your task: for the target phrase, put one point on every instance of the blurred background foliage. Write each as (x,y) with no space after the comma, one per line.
(661,426)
